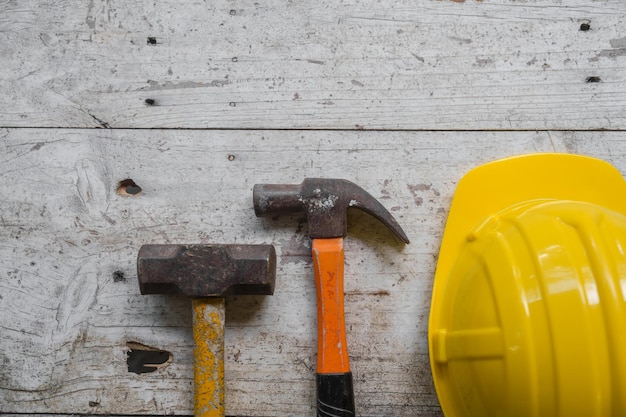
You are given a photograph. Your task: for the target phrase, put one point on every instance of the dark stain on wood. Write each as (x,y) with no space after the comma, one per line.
(143,359)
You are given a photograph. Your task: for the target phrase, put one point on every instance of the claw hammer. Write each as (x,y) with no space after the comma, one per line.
(207,274)
(325,202)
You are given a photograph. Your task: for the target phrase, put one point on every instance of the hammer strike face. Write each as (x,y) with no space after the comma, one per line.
(325,202)
(207,270)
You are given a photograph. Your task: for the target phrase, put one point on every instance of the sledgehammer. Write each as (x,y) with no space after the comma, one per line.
(325,202)
(207,274)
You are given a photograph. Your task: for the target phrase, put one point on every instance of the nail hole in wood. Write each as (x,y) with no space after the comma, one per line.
(150,101)
(151,40)
(232,104)
(235,59)
(118,276)
(233,12)
(585,27)
(231,157)
(142,359)
(593,79)
(128,187)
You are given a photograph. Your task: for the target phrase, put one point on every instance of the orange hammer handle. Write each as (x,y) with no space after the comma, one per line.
(332,349)
(335,393)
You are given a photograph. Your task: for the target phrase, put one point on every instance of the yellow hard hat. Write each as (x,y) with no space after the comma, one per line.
(528,313)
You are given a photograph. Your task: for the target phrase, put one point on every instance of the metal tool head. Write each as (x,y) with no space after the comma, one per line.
(207,270)
(325,202)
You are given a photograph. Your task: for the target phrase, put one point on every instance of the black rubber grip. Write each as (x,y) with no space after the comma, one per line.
(335,395)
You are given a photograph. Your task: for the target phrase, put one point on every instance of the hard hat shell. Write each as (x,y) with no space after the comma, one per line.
(528,314)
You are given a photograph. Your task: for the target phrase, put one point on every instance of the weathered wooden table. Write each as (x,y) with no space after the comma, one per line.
(196,101)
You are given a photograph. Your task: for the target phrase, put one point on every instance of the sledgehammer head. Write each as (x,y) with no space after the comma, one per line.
(325,202)
(206,270)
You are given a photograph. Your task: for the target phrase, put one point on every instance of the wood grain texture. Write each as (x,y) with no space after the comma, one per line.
(70,308)
(331,64)
(70,301)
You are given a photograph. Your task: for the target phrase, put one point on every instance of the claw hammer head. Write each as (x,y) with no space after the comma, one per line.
(325,202)
(207,270)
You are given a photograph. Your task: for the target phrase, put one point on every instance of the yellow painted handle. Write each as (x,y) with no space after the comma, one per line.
(208,354)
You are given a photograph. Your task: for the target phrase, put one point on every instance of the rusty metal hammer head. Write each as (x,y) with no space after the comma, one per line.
(325,202)
(207,270)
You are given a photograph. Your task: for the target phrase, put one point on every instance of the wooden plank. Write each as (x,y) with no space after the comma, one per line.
(328,64)
(68,244)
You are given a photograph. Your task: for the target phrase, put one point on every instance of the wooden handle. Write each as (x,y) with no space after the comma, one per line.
(208,355)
